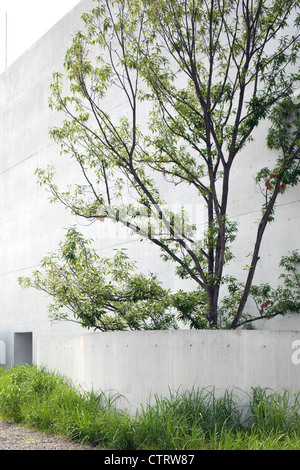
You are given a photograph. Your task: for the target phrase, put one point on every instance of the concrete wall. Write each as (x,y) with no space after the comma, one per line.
(141,364)
(30,225)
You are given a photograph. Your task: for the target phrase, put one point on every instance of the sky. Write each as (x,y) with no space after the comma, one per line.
(27,21)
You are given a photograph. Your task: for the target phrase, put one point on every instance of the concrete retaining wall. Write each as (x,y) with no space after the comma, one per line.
(141,364)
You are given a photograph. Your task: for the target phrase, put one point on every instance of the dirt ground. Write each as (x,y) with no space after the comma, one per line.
(16,437)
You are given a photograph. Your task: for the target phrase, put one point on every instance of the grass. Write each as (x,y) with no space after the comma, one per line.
(190,420)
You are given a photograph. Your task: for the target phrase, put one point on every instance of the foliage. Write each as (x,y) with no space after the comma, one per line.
(284,137)
(269,301)
(286,297)
(188,420)
(47,401)
(107,294)
(211,71)
(100,293)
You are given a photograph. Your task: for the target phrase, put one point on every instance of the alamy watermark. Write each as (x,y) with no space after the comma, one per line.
(168,221)
(296,353)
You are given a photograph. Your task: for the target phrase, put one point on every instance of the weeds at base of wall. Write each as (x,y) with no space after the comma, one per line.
(191,420)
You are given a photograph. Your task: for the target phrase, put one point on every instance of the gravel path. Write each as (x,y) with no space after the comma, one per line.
(16,437)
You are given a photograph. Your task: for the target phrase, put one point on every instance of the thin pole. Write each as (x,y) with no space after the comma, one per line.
(6,40)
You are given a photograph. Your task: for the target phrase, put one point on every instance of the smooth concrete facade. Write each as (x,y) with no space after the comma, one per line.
(31,227)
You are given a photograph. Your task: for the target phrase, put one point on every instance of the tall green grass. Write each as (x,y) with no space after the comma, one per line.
(189,420)
(30,396)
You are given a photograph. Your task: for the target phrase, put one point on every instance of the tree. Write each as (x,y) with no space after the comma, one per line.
(100,293)
(212,70)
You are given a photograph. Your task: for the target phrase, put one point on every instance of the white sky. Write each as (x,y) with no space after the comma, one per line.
(27,21)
